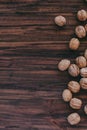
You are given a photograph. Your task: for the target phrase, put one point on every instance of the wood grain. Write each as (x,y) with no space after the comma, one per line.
(31,46)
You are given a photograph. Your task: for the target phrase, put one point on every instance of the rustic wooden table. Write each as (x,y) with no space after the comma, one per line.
(30,47)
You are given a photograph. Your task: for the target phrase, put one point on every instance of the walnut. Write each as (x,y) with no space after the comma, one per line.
(80,31)
(85,109)
(74,119)
(81,61)
(83,72)
(63,64)
(60,20)
(73,70)
(67,95)
(74,44)
(75,103)
(83,83)
(74,86)
(82,15)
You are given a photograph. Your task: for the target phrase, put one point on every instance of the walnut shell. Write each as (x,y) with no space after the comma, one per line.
(83,83)
(80,31)
(86,27)
(74,119)
(73,70)
(74,44)
(82,15)
(83,72)
(81,62)
(63,64)
(60,20)
(85,109)
(75,103)
(67,95)
(74,86)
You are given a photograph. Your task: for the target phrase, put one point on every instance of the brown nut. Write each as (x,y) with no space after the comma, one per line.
(67,95)
(75,103)
(81,61)
(85,54)
(83,83)
(85,109)
(82,15)
(74,44)
(86,27)
(60,20)
(80,31)
(73,70)
(74,86)
(83,72)
(74,119)
(63,64)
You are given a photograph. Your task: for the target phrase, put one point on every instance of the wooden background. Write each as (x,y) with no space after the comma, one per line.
(31,46)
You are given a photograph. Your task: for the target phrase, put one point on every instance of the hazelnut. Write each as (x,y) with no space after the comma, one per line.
(80,31)
(83,83)
(74,86)
(75,103)
(60,20)
(85,54)
(67,95)
(63,64)
(83,72)
(81,61)
(85,109)
(73,70)
(82,15)
(74,44)
(86,27)
(74,119)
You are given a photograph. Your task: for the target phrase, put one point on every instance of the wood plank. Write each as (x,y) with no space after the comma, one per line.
(31,45)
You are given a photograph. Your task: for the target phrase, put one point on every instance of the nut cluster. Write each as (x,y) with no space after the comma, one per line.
(78,68)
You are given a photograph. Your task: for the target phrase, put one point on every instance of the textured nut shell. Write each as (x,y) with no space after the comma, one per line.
(83,72)
(63,64)
(60,20)
(73,70)
(86,27)
(83,83)
(73,118)
(85,109)
(85,54)
(74,86)
(80,31)
(74,44)
(82,15)
(67,95)
(81,62)
(75,103)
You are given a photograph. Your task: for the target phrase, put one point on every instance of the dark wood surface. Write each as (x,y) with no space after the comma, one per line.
(31,46)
